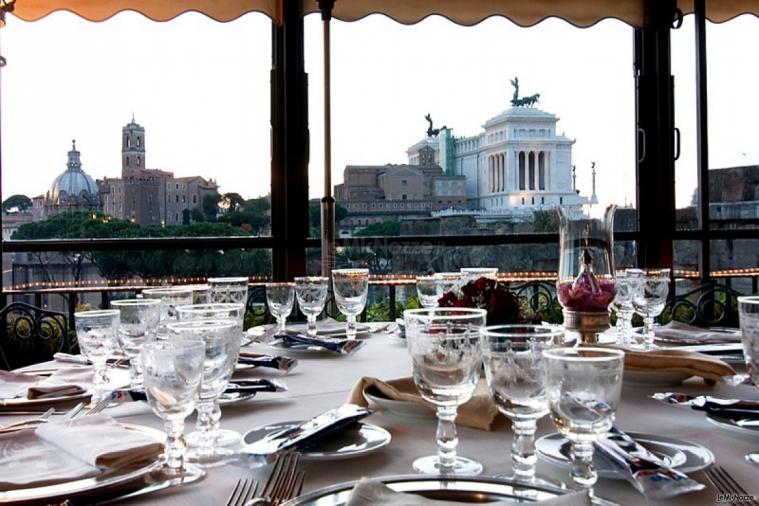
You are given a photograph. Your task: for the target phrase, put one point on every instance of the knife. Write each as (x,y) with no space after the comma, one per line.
(234,387)
(278,362)
(306,432)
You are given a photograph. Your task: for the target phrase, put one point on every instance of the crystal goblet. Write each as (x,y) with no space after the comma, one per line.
(429,289)
(172,376)
(311,292)
(222,345)
(649,296)
(233,290)
(138,324)
(444,344)
(623,306)
(96,333)
(448,280)
(351,287)
(170,297)
(583,386)
(748,315)
(280,297)
(474,273)
(514,368)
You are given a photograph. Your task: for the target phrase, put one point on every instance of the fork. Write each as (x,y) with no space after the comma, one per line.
(100,406)
(729,488)
(12,427)
(283,483)
(243,491)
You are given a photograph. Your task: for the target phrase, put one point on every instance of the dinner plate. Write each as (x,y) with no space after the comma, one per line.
(682,455)
(458,488)
(403,408)
(729,424)
(654,378)
(357,440)
(92,489)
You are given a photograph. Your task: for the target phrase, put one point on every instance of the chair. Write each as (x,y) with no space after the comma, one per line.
(31,335)
(706,305)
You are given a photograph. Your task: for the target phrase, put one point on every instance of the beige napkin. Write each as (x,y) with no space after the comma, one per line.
(672,359)
(14,384)
(374,493)
(99,440)
(480,412)
(63,382)
(690,334)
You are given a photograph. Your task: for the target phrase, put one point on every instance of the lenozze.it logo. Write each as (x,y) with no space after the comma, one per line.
(733,498)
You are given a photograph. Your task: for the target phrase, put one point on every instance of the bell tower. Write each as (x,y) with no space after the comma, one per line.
(132,147)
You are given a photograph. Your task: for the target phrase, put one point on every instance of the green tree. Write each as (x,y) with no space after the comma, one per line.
(210,206)
(22,202)
(196,215)
(186,216)
(382,229)
(232,201)
(546,221)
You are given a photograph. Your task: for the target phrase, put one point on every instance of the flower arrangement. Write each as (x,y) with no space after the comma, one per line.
(501,304)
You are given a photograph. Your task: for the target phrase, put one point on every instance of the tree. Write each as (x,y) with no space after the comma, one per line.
(546,221)
(232,201)
(382,229)
(22,202)
(185,216)
(196,215)
(210,206)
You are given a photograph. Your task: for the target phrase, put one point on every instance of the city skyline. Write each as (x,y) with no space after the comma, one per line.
(201,89)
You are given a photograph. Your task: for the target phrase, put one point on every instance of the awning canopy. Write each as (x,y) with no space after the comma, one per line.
(465,12)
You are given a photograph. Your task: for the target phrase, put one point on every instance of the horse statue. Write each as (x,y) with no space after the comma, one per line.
(531,100)
(433,132)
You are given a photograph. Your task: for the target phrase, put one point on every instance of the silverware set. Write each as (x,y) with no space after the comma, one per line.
(284,483)
(44,417)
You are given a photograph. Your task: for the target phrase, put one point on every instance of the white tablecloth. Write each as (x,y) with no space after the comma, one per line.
(321,382)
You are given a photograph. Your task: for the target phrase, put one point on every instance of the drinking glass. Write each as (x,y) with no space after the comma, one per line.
(514,368)
(429,289)
(650,290)
(445,350)
(311,292)
(748,314)
(351,287)
(474,273)
(170,297)
(583,386)
(448,280)
(222,345)
(233,290)
(280,298)
(623,306)
(138,324)
(201,294)
(96,333)
(172,377)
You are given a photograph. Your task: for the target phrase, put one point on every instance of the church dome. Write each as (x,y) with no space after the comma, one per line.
(73,182)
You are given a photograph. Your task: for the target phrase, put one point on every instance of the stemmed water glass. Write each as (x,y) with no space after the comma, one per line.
(170,297)
(233,290)
(96,333)
(280,298)
(351,287)
(138,324)
(583,386)
(650,290)
(311,292)
(748,314)
(475,273)
(445,350)
(429,289)
(448,280)
(172,376)
(222,345)
(514,368)
(623,306)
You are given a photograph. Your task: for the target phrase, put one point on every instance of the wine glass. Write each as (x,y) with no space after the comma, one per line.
(583,386)
(445,350)
(201,294)
(351,288)
(649,296)
(222,345)
(311,292)
(233,290)
(474,273)
(96,333)
(429,289)
(170,297)
(172,376)
(138,324)
(623,306)
(448,280)
(280,298)
(514,368)
(748,314)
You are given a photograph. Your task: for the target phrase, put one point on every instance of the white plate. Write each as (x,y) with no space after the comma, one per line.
(354,441)
(403,408)
(727,423)
(682,455)
(654,378)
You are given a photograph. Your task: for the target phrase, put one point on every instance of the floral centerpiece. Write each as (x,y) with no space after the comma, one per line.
(484,293)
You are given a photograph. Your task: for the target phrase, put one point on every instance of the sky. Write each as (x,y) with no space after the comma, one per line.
(201,90)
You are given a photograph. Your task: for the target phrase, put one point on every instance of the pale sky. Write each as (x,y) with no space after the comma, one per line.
(201,90)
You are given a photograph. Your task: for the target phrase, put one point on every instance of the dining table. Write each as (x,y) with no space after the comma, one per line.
(322,381)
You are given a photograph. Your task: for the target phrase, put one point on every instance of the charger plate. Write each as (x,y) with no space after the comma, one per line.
(92,489)
(442,488)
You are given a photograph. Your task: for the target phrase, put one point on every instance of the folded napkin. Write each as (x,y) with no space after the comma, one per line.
(690,334)
(374,493)
(672,359)
(62,383)
(15,384)
(480,412)
(289,339)
(100,441)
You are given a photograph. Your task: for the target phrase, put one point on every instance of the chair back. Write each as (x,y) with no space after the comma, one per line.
(29,335)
